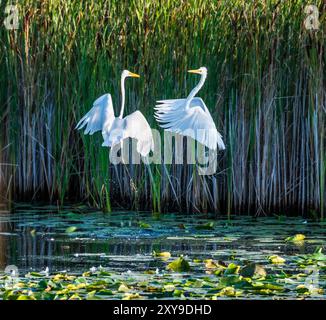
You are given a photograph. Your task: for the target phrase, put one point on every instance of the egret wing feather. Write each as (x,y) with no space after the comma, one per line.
(99,117)
(137,127)
(194,120)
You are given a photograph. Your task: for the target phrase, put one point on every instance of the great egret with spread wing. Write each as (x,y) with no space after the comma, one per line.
(190,116)
(115,129)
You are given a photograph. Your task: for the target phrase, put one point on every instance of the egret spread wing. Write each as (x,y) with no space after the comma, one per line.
(101,115)
(137,127)
(194,121)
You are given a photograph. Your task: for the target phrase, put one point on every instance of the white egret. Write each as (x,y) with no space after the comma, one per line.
(115,129)
(190,116)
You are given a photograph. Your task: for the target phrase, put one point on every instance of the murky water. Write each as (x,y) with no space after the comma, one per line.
(74,240)
(35,238)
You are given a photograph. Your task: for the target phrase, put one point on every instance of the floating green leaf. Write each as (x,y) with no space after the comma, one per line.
(232,269)
(123,288)
(35,274)
(71,229)
(163,255)
(132,296)
(179,265)
(275,259)
(205,226)
(316,258)
(229,292)
(253,270)
(144,225)
(25,297)
(296,238)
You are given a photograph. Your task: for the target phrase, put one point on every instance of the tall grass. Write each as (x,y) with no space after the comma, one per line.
(265,90)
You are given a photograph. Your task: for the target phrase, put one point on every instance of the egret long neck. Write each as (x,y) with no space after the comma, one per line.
(123,96)
(195,90)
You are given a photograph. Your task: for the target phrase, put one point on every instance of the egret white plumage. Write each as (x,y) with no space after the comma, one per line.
(190,116)
(115,129)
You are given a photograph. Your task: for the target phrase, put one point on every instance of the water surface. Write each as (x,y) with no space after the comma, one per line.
(74,240)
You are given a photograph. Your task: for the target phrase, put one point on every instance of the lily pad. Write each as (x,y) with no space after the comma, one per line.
(253,270)
(144,225)
(26,297)
(123,288)
(296,238)
(71,229)
(163,255)
(179,265)
(275,259)
(211,264)
(232,269)
(205,226)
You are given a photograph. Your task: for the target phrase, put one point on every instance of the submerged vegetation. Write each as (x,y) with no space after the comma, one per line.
(265,90)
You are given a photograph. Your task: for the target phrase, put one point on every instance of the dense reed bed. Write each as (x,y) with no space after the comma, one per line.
(265,90)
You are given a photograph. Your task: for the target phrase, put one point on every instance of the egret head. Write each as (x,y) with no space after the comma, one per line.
(201,70)
(127,73)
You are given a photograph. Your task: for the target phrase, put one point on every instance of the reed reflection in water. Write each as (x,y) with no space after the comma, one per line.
(37,238)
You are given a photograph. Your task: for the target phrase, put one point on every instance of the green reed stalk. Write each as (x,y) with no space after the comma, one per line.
(265,90)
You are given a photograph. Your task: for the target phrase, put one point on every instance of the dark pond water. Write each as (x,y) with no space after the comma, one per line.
(74,241)
(33,239)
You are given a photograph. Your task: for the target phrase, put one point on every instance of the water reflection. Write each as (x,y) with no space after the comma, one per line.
(3,244)
(34,239)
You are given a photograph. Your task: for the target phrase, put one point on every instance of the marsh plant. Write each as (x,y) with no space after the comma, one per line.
(265,91)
